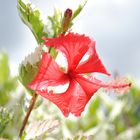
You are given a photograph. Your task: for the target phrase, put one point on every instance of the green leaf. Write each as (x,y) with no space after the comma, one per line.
(81,137)
(56,22)
(23,136)
(5,119)
(4,68)
(53,52)
(7,83)
(31,17)
(5,90)
(94,106)
(27,73)
(79,9)
(29,67)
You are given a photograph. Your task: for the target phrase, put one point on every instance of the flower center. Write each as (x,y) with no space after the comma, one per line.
(71,75)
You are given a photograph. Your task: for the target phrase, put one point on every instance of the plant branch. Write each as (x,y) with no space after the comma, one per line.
(31,106)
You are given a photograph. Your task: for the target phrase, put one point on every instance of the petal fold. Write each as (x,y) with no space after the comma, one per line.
(73,46)
(49,74)
(72,101)
(92,64)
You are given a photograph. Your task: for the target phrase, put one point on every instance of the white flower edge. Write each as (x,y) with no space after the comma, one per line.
(33,57)
(38,128)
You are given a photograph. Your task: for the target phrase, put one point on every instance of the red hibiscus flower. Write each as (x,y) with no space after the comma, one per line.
(81,87)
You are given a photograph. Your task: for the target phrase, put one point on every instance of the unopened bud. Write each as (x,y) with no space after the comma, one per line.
(66,20)
(68,13)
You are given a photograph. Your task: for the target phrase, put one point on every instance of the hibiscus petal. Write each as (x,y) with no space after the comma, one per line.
(87,85)
(72,101)
(91,84)
(92,64)
(49,73)
(74,46)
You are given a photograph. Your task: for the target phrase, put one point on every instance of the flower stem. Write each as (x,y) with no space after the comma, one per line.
(31,106)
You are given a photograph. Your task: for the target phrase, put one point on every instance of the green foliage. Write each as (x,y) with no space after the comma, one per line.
(56,22)
(31,17)
(7,83)
(81,137)
(5,119)
(27,73)
(53,52)
(4,68)
(79,9)
(29,67)
(23,136)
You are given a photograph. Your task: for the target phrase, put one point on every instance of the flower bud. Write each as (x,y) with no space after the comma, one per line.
(66,20)
(68,13)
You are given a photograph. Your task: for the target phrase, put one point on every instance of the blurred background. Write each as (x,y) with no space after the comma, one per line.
(115,25)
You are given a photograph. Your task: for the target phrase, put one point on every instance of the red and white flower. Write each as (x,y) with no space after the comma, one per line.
(81,87)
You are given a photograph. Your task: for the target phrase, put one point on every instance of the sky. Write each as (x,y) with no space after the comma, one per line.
(114,24)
